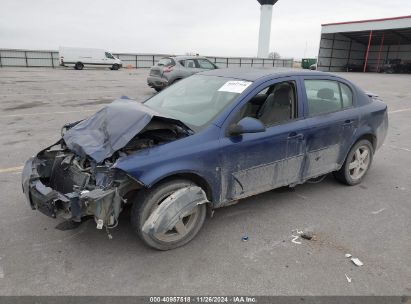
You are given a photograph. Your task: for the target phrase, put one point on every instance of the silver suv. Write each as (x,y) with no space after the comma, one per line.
(171,69)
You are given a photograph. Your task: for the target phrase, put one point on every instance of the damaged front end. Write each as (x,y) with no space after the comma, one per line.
(60,184)
(76,177)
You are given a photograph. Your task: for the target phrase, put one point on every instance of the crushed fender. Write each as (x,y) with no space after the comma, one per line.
(174,208)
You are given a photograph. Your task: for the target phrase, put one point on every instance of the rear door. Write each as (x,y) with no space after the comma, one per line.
(331,123)
(191,67)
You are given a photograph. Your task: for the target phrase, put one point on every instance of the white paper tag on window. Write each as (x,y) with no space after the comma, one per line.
(234,86)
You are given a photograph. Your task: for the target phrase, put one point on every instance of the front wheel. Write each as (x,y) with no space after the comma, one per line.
(356,164)
(115,67)
(147,200)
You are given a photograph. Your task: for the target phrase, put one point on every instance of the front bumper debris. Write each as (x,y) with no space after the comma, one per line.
(105,204)
(38,195)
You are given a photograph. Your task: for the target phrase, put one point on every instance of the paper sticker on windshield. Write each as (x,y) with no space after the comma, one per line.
(234,86)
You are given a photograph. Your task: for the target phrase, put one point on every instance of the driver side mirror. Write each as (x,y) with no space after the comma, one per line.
(246,125)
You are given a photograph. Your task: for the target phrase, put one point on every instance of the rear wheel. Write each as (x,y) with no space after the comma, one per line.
(186,229)
(79,66)
(357,163)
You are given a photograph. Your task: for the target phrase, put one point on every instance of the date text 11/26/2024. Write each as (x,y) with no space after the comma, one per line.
(203,299)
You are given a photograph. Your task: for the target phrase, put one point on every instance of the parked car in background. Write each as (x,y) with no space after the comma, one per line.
(307,63)
(206,142)
(396,66)
(313,67)
(83,57)
(171,69)
(353,67)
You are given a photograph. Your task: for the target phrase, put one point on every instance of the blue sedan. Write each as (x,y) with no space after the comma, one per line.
(203,143)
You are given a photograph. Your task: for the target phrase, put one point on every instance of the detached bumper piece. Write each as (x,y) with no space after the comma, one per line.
(39,196)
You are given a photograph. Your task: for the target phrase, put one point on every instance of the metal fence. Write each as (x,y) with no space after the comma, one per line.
(50,58)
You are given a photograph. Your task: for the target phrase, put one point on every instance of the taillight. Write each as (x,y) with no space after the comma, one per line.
(168,69)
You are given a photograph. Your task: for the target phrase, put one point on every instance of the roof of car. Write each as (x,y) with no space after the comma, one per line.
(186,57)
(252,74)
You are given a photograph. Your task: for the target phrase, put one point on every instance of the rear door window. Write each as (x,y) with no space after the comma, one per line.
(327,96)
(190,64)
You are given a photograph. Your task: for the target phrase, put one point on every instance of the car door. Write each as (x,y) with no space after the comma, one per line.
(331,123)
(190,67)
(257,162)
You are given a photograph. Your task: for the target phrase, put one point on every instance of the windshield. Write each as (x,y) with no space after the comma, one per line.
(198,99)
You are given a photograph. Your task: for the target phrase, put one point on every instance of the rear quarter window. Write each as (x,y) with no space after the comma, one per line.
(346,95)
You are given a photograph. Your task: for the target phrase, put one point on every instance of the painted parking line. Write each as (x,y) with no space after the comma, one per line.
(399,111)
(10,170)
(49,113)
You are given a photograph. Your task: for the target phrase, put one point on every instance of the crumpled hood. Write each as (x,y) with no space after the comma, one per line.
(110,129)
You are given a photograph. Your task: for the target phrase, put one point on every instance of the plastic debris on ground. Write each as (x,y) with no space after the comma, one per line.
(348,255)
(348,278)
(244,238)
(357,262)
(378,211)
(308,235)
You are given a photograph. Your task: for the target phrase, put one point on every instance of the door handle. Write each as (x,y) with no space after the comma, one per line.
(295,135)
(348,122)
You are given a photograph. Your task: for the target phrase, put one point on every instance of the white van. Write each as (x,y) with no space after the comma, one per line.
(81,57)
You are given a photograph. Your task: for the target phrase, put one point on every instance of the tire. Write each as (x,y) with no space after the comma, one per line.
(157,89)
(115,67)
(356,164)
(176,80)
(79,66)
(144,204)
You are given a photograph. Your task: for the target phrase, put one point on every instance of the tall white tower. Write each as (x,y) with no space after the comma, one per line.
(265,27)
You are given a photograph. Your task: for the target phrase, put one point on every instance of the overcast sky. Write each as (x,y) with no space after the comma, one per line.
(213,27)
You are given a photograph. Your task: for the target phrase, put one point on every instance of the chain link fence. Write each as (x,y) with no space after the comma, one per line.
(50,58)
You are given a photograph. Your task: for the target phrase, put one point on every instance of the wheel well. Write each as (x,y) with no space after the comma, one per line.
(198,180)
(371,138)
